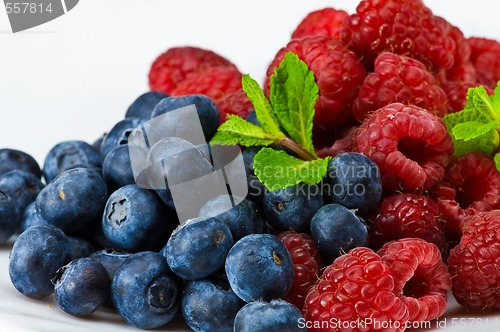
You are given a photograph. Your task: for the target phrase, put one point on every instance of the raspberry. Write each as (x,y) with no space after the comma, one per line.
(485,55)
(177,63)
(236,103)
(456,92)
(327,22)
(341,145)
(410,146)
(406,216)
(338,74)
(307,262)
(402,26)
(356,287)
(421,278)
(474,262)
(398,78)
(471,184)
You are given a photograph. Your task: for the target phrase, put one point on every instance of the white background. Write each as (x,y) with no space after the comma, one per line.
(74,77)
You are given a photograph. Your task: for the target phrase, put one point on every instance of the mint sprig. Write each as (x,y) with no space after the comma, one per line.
(477,126)
(293,94)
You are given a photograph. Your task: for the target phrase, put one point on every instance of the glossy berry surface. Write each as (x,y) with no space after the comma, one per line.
(261,316)
(22,187)
(117,168)
(306,261)
(353,180)
(81,287)
(143,106)
(410,146)
(118,135)
(473,263)
(144,291)
(336,230)
(9,218)
(11,159)
(357,286)
(263,255)
(198,248)
(210,304)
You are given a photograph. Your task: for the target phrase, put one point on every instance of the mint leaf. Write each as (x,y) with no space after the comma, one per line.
(276,169)
(482,102)
(263,110)
(293,95)
(472,129)
(467,115)
(486,143)
(236,131)
(497,161)
(495,101)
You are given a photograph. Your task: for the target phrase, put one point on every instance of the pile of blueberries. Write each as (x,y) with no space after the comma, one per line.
(93,235)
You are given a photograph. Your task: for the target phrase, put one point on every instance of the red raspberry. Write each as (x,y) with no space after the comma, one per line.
(401,26)
(327,22)
(475,262)
(236,103)
(471,184)
(407,216)
(485,55)
(421,278)
(398,78)
(307,262)
(177,63)
(356,287)
(456,92)
(410,146)
(338,74)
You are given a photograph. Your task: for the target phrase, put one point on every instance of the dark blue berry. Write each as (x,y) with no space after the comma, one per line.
(244,218)
(198,248)
(144,105)
(292,207)
(135,219)
(9,219)
(353,180)
(22,187)
(145,292)
(210,304)
(336,230)
(259,267)
(35,257)
(73,199)
(11,159)
(31,218)
(118,135)
(276,316)
(67,155)
(81,287)
(117,169)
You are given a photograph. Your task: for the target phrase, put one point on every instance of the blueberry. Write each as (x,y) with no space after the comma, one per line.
(256,189)
(9,219)
(31,218)
(98,142)
(198,248)
(292,207)
(11,159)
(143,106)
(354,181)
(117,169)
(111,259)
(276,316)
(259,267)
(22,187)
(81,287)
(336,230)
(79,247)
(205,107)
(67,155)
(135,219)
(73,199)
(210,304)
(35,257)
(118,135)
(144,291)
(243,219)
(252,118)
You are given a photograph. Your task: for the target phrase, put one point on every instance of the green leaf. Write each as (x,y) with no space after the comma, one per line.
(486,143)
(277,170)
(467,115)
(293,95)
(472,129)
(263,110)
(238,131)
(495,101)
(482,102)
(497,161)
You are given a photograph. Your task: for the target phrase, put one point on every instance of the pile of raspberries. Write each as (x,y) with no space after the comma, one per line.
(387,74)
